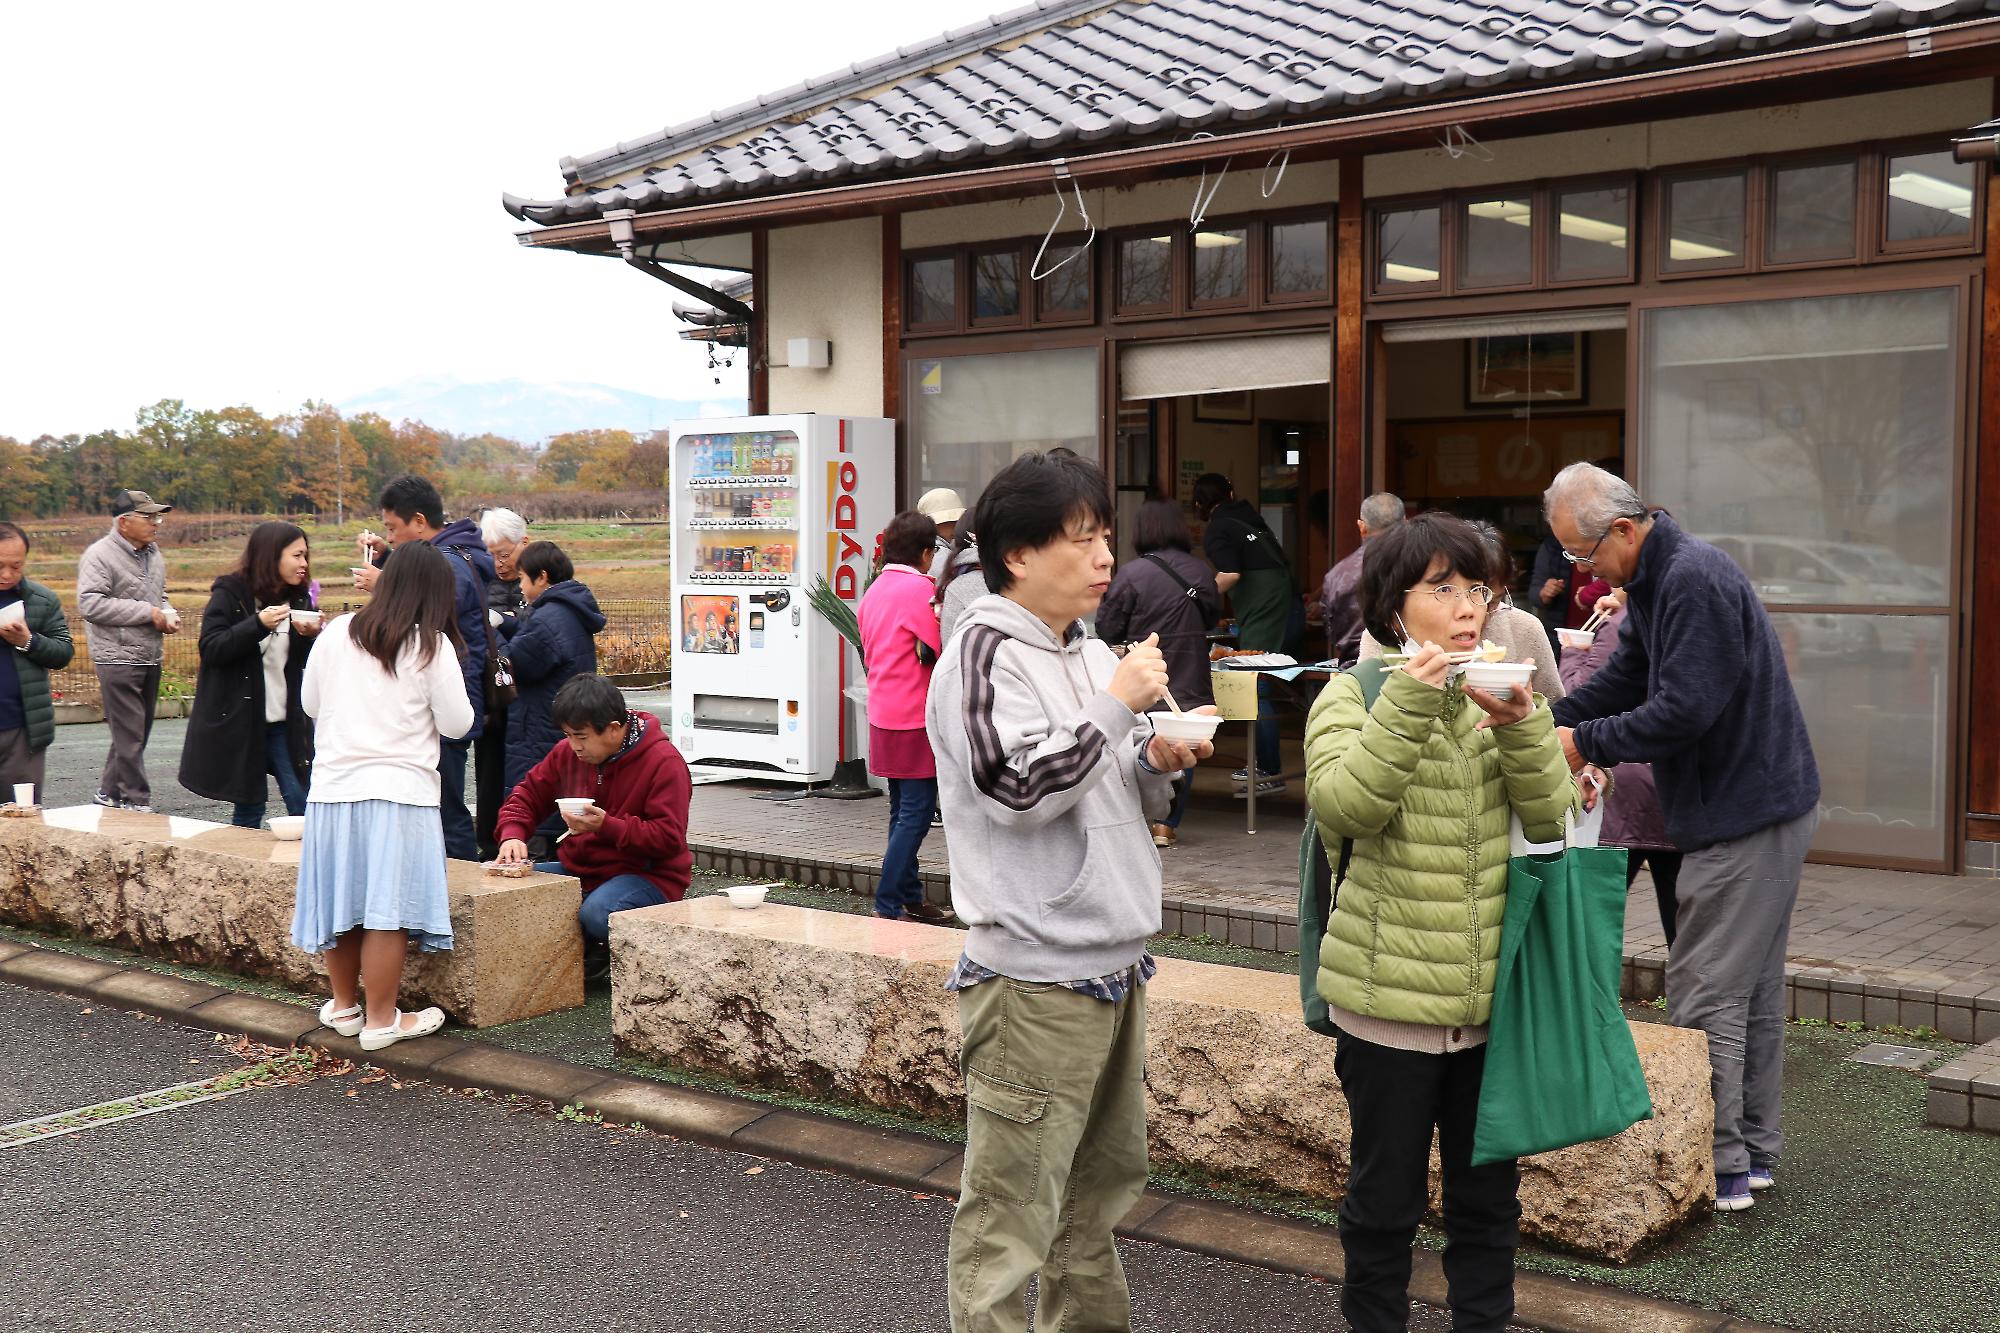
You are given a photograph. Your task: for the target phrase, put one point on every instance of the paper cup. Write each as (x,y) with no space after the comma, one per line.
(24,794)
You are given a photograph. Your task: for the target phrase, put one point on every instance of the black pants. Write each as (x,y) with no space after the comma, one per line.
(489,767)
(1666,876)
(1395,1099)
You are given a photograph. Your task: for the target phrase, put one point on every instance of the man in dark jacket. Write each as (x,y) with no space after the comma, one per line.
(1339,594)
(412,511)
(1252,570)
(554,641)
(1699,689)
(34,640)
(629,846)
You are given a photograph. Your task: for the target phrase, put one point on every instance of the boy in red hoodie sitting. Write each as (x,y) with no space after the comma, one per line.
(629,846)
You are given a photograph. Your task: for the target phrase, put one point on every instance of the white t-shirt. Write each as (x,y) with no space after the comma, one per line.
(376,737)
(277,648)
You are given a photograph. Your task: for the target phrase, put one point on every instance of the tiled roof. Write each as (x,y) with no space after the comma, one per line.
(1081,73)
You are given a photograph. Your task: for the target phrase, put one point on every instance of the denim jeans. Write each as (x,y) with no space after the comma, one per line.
(277,763)
(911,801)
(1269,757)
(1179,807)
(614,895)
(461,843)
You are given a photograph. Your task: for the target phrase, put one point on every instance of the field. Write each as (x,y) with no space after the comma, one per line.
(624,564)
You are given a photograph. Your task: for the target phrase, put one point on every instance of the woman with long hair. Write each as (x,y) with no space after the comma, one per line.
(900,645)
(386,688)
(247,720)
(1171,592)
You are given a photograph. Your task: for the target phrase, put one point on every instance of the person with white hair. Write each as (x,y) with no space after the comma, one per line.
(942,506)
(1339,595)
(504,533)
(1698,688)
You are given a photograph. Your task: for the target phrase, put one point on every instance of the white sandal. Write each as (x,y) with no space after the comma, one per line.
(346,1022)
(428,1021)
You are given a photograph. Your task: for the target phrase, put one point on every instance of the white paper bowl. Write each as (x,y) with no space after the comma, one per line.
(1188,728)
(288,828)
(747,896)
(573,805)
(13,613)
(1576,638)
(1499,679)
(305,619)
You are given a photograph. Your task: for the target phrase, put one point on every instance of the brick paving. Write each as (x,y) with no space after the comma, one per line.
(1874,946)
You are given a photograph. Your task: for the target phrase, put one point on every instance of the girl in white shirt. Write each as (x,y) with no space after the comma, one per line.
(384,686)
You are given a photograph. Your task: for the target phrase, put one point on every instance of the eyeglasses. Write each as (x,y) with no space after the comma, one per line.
(1447,594)
(1591,557)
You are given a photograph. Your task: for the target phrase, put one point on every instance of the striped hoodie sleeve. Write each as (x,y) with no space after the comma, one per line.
(1028,767)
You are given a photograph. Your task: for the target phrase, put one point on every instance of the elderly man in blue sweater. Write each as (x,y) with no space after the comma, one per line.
(1698,689)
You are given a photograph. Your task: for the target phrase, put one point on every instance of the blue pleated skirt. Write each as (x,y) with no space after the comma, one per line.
(379,865)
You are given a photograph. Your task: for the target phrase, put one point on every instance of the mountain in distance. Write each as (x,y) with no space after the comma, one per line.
(527,410)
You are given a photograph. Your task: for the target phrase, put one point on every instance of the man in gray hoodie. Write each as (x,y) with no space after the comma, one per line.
(1049,776)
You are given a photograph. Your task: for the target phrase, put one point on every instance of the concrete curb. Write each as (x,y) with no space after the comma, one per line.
(894,1158)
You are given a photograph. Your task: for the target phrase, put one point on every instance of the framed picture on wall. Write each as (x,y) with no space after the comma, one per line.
(1519,368)
(1232,408)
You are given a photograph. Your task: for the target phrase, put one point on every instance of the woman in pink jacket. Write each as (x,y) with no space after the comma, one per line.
(899,647)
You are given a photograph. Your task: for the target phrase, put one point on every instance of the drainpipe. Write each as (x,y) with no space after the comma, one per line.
(623,236)
(1979,144)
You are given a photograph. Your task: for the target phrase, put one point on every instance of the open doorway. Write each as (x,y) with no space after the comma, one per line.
(1481,415)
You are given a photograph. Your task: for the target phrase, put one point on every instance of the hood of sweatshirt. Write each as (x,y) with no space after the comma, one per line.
(463,535)
(574,597)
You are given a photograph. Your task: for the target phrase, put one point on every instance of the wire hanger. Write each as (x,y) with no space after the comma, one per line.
(1035,273)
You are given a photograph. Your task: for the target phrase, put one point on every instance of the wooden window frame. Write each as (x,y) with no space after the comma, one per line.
(1447,245)
(912,258)
(1176,289)
(1537,195)
(1768,167)
(1039,315)
(1252,266)
(1267,249)
(1750,173)
(1878,247)
(968,265)
(1630,182)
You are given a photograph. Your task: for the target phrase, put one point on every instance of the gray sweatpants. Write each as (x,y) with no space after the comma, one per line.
(127,695)
(1726,976)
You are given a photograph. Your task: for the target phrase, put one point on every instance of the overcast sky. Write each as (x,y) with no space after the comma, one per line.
(264,203)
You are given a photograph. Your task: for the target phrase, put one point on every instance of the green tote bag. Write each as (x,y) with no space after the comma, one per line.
(1561,1067)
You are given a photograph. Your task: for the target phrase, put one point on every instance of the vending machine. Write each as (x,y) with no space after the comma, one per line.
(763,507)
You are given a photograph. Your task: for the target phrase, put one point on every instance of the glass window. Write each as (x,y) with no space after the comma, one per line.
(1930,198)
(1064,293)
(1145,272)
(996,285)
(1497,242)
(1407,248)
(1299,259)
(933,293)
(970,416)
(1221,265)
(1705,222)
(1812,212)
(1593,233)
(1814,440)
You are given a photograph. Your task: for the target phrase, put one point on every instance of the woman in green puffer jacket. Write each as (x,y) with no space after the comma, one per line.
(1424,783)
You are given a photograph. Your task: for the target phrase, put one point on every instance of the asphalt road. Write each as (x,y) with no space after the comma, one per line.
(358,1205)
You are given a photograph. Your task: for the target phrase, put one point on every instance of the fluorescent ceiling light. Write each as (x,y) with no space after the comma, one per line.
(1680,249)
(1915,187)
(1517,211)
(1521,214)
(1395,272)
(1210,240)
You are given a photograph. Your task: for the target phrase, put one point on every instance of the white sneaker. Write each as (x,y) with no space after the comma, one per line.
(426,1022)
(346,1022)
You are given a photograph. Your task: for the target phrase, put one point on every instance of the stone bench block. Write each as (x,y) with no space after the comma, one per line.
(215,896)
(1237,1086)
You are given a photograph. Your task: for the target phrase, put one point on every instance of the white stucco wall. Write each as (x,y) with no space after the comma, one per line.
(826,282)
(1946,108)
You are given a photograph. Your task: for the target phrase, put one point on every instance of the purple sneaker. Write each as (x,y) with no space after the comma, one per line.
(1732,1192)
(1762,1179)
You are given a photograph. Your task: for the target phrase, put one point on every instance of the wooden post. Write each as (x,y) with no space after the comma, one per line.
(892,342)
(1983,789)
(760,322)
(1350,356)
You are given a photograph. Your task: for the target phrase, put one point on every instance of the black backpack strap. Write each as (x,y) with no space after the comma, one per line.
(1188,590)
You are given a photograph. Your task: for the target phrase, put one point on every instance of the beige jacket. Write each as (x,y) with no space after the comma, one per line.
(116,590)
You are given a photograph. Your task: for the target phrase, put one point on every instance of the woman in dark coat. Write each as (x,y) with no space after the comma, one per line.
(553,641)
(247,721)
(1171,592)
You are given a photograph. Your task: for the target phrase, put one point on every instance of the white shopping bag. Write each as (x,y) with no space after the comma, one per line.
(1577,832)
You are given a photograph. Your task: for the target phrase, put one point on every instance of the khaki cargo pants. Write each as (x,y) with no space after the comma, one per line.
(1055,1156)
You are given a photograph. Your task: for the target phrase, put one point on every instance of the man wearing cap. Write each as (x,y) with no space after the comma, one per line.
(121,589)
(942,507)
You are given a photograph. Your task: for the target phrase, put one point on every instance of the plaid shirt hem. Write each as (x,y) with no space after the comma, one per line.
(1112,987)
